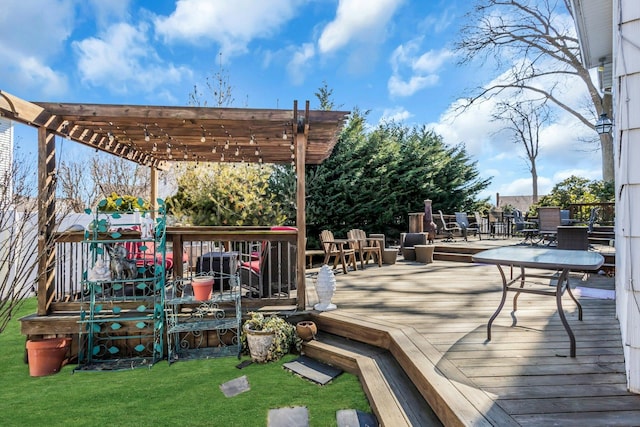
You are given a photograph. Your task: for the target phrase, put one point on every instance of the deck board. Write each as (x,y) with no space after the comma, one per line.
(525,370)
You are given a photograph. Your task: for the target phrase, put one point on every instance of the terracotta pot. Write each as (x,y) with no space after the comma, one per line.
(259,343)
(306,330)
(202,287)
(46,355)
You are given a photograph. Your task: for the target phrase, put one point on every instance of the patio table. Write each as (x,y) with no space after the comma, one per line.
(539,258)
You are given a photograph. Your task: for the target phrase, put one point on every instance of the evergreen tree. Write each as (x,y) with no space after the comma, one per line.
(374,180)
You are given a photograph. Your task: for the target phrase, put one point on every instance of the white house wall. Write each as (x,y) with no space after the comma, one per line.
(626,48)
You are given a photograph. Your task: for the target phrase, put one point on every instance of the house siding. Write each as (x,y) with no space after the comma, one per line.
(627,157)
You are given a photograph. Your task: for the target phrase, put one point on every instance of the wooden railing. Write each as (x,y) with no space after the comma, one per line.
(606,212)
(265,261)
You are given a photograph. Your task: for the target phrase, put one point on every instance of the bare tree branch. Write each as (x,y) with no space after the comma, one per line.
(534,32)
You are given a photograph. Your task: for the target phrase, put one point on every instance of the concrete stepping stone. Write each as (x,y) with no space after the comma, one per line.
(297,416)
(235,386)
(353,418)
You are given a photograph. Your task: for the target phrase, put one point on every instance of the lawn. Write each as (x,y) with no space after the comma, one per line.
(185,393)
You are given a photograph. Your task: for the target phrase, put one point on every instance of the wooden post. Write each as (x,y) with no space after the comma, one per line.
(46,219)
(153,195)
(302,130)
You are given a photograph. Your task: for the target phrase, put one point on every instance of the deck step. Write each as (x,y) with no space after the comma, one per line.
(389,388)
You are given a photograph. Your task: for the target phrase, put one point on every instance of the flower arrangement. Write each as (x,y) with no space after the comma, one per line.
(285,337)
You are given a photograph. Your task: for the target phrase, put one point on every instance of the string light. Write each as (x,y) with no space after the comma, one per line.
(284,134)
(214,149)
(147,138)
(155,147)
(202,138)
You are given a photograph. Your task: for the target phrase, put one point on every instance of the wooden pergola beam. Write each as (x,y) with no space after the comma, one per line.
(156,135)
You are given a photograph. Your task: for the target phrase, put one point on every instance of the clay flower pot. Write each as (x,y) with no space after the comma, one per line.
(46,355)
(306,330)
(259,343)
(202,287)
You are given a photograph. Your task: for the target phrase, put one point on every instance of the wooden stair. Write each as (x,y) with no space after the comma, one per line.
(445,252)
(392,395)
(602,235)
(400,372)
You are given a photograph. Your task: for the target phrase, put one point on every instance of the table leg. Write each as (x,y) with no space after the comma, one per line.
(515,298)
(504,298)
(564,278)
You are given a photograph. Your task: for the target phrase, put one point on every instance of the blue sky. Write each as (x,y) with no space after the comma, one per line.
(393,58)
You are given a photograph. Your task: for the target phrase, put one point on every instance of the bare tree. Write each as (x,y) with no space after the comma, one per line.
(19,256)
(75,186)
(218,88)
(82,187)
(115,175)
(545,45)
(524,121)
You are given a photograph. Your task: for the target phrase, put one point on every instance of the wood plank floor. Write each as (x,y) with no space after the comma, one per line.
(525,372)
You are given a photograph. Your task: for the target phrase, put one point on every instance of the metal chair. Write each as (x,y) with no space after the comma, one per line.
(463,223)
(448,228)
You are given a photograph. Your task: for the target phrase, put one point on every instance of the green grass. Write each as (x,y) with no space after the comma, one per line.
(185,393)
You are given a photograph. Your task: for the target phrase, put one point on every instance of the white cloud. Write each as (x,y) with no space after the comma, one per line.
(122,60)
(438,23)
(421,70)
(357,20)
(24,55)
(232,24)
(297,67)
(397,115)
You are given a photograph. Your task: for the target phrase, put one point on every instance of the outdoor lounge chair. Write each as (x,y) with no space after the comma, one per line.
(338,249)
(366,247)
(448,228)
(463,223)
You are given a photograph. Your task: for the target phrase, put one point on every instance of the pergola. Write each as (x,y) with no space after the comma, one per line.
(156,135)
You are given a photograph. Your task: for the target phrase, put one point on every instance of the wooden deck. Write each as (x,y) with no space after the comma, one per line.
(432,319)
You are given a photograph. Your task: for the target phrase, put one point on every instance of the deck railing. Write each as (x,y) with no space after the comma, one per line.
(263,262)
(606,213)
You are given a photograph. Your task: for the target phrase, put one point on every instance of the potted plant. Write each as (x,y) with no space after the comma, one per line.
(269,338)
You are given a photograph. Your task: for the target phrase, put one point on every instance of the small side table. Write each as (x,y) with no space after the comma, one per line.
(389,255)
(424,253)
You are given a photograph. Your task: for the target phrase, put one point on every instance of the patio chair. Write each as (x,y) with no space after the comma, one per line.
(482,224)
(272,271)
(338,249)
(463,223)
(527,229)
(498,227)
(548,222)
(448,228)
(593,216)
(366,247)
(408,243)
